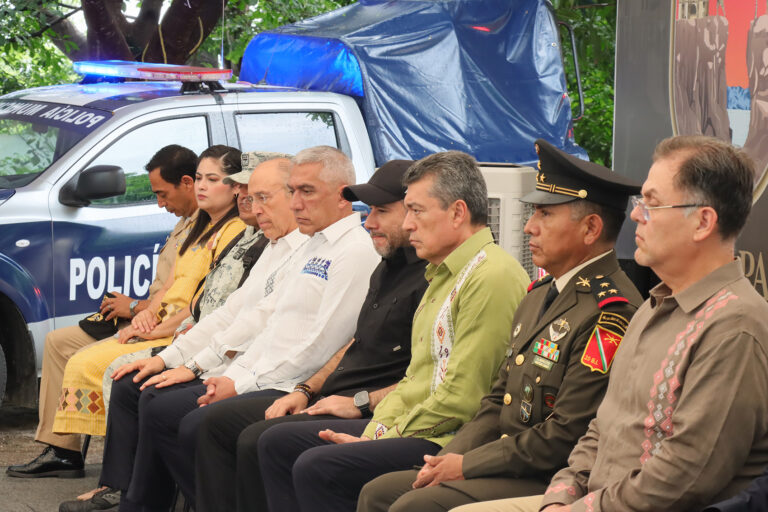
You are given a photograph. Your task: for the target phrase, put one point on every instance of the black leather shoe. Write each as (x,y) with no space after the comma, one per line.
(105,499)
(50,463)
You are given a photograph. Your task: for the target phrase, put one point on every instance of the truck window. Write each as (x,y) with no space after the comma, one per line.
(133,151)
(28,148)
(286,132)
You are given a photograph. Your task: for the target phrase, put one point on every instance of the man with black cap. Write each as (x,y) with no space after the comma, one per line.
(566,332)
(460,332)
(349,385)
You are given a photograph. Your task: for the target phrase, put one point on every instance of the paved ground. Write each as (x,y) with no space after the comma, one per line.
(17,432)
(17,445)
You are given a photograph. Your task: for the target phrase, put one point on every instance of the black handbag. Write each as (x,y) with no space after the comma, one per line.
(97,326)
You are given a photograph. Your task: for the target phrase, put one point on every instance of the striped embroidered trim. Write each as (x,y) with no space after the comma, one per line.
(666,381)
(442,329)
(80,400)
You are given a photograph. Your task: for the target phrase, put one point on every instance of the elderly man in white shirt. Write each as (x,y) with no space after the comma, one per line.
(305,313)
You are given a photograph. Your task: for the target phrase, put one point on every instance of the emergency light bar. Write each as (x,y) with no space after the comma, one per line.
(150,71)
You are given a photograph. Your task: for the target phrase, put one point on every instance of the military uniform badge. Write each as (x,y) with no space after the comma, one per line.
(558,329)
(547,349)
(609,330)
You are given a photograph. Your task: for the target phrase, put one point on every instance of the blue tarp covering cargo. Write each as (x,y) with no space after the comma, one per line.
(481,76)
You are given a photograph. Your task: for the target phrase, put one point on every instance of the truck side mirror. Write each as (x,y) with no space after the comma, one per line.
(97,182)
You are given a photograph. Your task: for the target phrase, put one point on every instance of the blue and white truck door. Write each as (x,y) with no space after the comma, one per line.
(113,244)
(26,255)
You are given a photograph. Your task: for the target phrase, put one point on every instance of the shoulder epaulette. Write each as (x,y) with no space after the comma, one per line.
(605,292)
(540,281)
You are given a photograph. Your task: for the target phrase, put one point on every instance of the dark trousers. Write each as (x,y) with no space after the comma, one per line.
(303,472)
(131,459)
(213,434)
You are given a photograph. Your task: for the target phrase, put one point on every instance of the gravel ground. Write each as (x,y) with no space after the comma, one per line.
(17,445)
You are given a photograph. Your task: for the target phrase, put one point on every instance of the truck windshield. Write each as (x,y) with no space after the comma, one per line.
(28,148)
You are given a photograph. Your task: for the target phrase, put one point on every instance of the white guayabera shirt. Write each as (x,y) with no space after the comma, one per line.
(218,323)
(288,335)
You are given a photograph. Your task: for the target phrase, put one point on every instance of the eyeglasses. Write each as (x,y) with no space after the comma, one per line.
(645,210)
(260,198)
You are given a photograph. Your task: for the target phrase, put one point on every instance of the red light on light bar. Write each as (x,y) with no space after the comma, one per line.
(151,71)
(481,29)
(185,73)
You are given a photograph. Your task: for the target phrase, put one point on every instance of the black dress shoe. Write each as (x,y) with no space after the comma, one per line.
(52,462)
(105,499)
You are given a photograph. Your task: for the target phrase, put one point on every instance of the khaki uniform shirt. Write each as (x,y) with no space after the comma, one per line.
(545,395)
(684,421)
(167,255)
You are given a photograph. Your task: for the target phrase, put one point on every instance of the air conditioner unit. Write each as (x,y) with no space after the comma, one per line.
(507,216)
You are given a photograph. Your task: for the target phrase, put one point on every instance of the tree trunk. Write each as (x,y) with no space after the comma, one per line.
(185,26)
(105,37)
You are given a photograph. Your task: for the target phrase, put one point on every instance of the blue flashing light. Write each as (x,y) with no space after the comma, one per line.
(303,62)
(115,68)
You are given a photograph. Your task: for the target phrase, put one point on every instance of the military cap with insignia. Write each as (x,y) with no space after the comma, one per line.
(249,161)
(563,178)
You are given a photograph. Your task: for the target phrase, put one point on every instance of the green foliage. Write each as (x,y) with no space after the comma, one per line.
(595,30)
(24,150)
(28,60)
(36,62)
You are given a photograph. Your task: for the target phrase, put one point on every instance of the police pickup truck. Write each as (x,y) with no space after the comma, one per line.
(78,215)
(378,80)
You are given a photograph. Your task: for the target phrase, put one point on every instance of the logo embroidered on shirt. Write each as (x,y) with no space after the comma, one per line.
(380,431)
(317,267)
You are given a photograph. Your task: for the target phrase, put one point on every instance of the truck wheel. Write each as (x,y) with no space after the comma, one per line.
(3,375)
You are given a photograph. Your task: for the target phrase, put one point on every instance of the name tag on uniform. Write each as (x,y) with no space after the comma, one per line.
(544,364)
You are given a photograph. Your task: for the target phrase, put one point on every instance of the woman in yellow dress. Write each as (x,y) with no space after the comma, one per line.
(81,406)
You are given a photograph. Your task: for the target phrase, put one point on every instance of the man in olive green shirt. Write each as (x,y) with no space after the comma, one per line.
(460,332)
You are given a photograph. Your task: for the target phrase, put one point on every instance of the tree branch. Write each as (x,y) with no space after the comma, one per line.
(66,37)
(52,18)
(106,40)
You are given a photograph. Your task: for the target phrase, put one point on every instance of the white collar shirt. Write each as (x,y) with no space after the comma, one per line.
(214,328)
(315,311)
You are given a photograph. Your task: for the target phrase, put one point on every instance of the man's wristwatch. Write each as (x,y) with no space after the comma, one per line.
(192,366)
(132,307)
(362,401)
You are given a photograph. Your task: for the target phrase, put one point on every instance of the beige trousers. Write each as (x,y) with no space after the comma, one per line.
(526,504)
(60,345)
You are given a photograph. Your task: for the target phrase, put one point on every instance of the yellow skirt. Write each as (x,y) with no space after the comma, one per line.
(81,407)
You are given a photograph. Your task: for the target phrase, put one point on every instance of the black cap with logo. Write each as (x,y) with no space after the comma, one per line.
(563,178)
(384,187)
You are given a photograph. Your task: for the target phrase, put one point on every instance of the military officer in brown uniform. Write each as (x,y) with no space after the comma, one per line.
(566,332)
(684,421)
